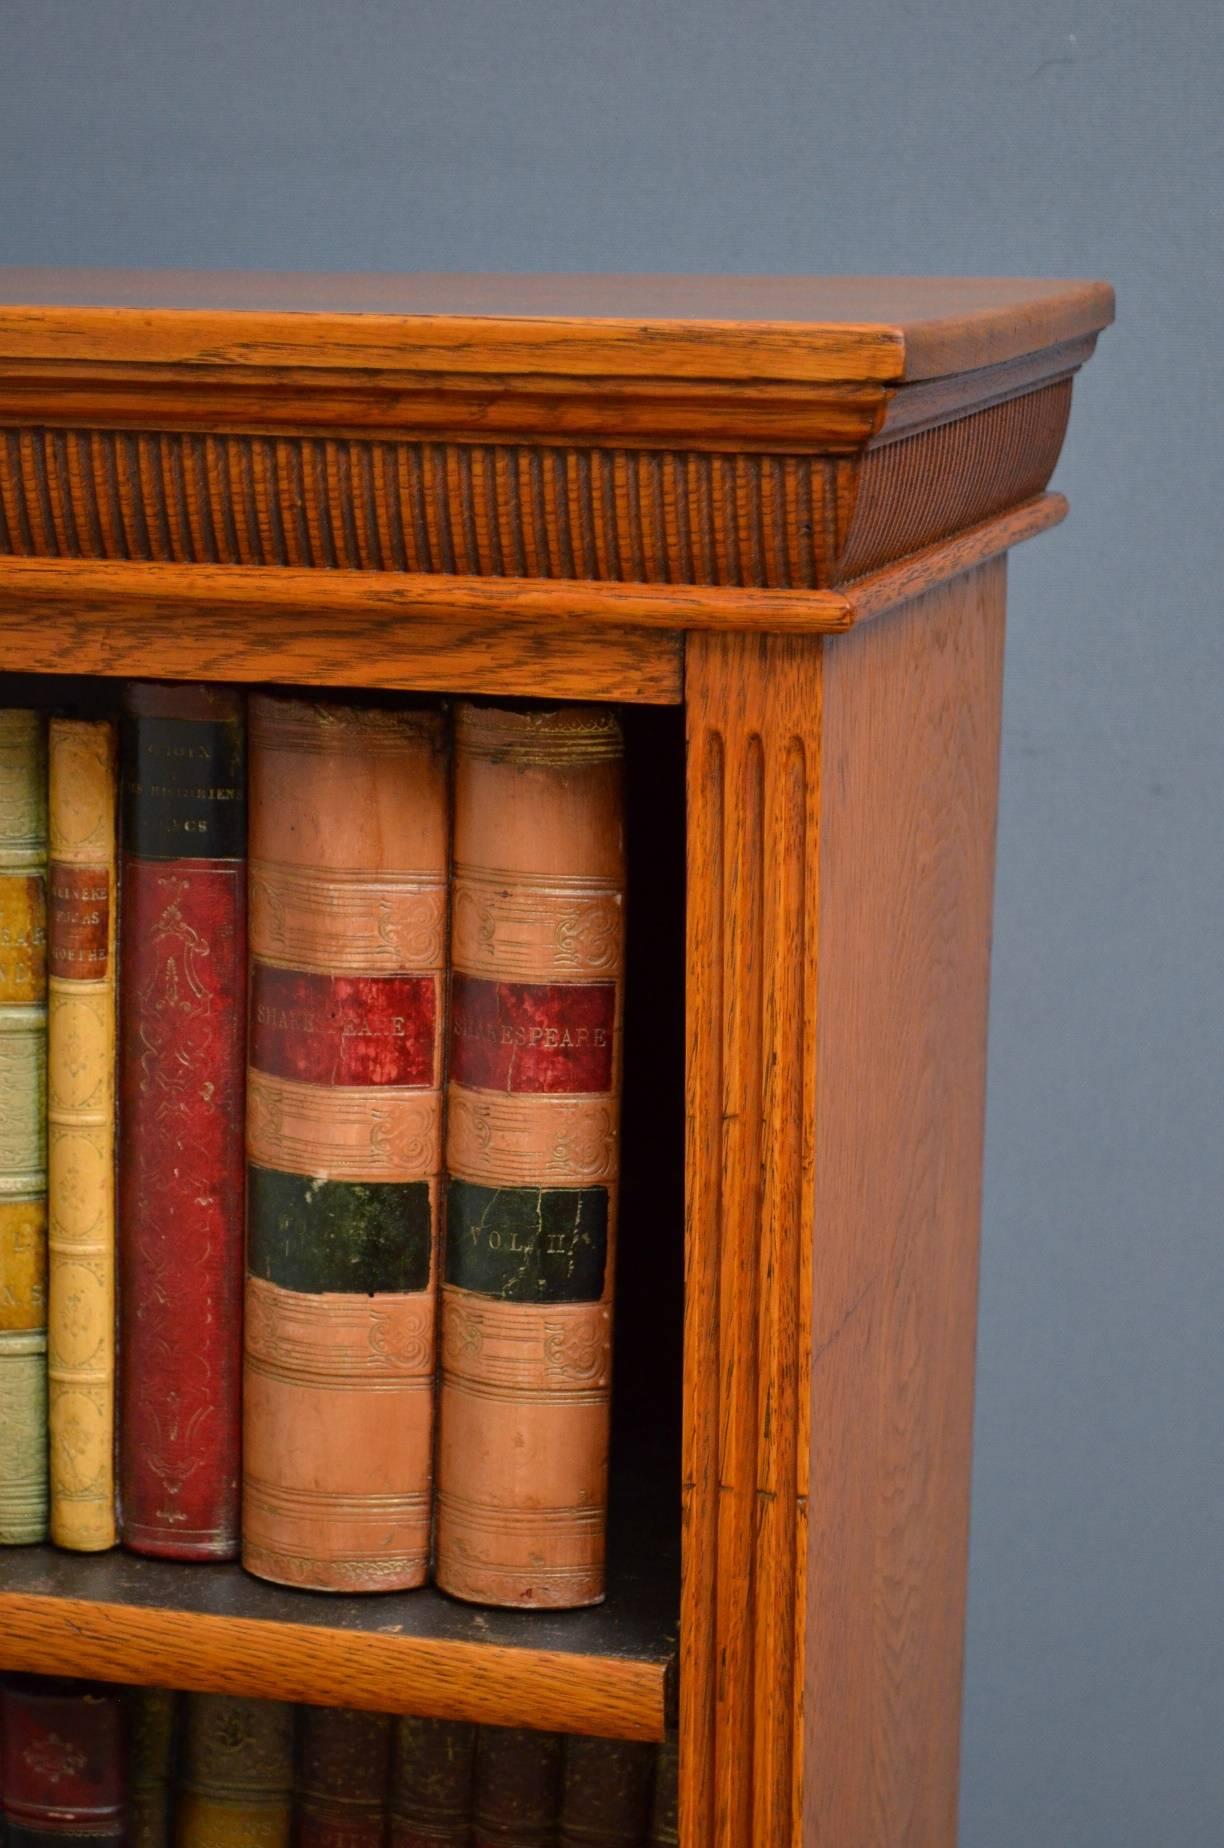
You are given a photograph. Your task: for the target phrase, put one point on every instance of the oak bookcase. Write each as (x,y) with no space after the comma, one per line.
(770,518)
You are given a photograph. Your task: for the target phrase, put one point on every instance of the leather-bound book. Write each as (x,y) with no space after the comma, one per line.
(343,1764)
(518,1788)
(432,1790)
(348,944)
(63,1763)
(23,1140)
(665,1804)
(182,1063)
(605,1799)
(236,1785)
(532,1155)
(81,1132)
(152,1715)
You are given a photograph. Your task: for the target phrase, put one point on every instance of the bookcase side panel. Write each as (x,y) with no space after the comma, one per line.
(909,770)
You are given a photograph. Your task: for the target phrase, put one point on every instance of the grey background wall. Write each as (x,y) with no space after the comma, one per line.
(1055,137)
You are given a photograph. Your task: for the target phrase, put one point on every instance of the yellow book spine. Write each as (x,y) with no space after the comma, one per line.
(23,1142)
(81,1132)
(236,1776)
(223,1822)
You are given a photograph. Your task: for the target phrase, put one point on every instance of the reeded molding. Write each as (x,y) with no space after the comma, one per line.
(539,509)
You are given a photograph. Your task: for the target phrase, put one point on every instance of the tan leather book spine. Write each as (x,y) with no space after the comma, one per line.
(532,1155)
(605,1798)
(236,1789)
(23,1138)
(348,852)
(344,1760)
(152,1720)
(82,756)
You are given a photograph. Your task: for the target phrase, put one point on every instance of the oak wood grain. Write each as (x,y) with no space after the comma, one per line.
(231,1655)
(800,328)
(218,1630)
(753,707)
(937,481)
(229,624)
(710,414)
(910,732)
(445,632)
(878,591)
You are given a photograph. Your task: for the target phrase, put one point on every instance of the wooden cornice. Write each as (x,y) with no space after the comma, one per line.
(274,426)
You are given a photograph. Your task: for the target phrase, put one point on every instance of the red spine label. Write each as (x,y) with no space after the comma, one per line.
(79,909)
(182,1187)
(343,1029)
(532,1036)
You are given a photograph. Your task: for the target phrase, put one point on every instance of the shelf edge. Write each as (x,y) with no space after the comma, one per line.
(202,1653)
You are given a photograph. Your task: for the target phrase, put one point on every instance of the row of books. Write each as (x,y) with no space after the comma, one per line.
(85,1762)
(358,1062)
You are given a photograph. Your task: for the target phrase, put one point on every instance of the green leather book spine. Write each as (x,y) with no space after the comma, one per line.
(23,1134)
(152,1721)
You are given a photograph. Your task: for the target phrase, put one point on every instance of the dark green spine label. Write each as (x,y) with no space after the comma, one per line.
(527,1244)
(356,1237)
(184,788)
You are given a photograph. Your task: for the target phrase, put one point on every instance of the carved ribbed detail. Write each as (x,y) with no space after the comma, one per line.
(486,510)
(533,510)
(918,488)
(753,763)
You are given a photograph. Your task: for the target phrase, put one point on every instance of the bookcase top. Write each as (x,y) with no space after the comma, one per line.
(796,329)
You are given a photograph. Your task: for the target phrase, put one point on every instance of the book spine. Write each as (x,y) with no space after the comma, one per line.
(665,1803)
(63,1770)
(81,1133)
(431,1783)
(532,1155)
(23,1142)
(348,946)
(152,1720)
(343,1767)
(182,1060)
(605,1800)
(236,1789)
(517,1788)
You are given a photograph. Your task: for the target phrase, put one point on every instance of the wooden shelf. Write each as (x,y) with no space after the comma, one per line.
(609,1670)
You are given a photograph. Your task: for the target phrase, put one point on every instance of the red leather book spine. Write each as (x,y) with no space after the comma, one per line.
(605,1797)
(63,1763)
(517,1796)
(182,1074)
(432,1767)
(344,1761)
